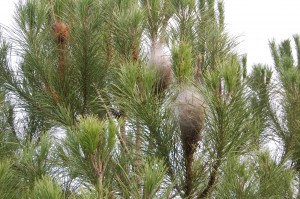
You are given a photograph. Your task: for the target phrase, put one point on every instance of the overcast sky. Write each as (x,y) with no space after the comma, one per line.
(258,21)
(254,21)
(6,11)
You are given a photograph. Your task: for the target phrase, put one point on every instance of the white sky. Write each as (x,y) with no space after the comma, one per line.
(258,21)
(254,21)
(6,11)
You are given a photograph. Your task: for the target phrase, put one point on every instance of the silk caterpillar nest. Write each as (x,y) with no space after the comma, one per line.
(162,66)
(190,113)
(61,31)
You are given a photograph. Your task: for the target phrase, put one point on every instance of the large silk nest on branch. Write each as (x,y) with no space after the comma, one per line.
(190,113)
(161,62)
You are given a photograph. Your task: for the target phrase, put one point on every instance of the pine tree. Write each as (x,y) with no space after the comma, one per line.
(140,99)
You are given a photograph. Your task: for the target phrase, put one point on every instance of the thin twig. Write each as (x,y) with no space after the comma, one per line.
(52,10)
(109,116)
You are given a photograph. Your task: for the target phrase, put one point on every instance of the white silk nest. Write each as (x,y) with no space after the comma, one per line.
(162,65)
(190,113)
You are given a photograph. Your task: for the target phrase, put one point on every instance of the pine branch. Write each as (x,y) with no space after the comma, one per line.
(212,180)
(120,137)
(189,174)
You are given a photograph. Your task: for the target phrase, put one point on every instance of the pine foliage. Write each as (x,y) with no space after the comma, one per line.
(142,99)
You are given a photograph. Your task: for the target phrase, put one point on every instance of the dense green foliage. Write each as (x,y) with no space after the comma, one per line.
(143,99)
